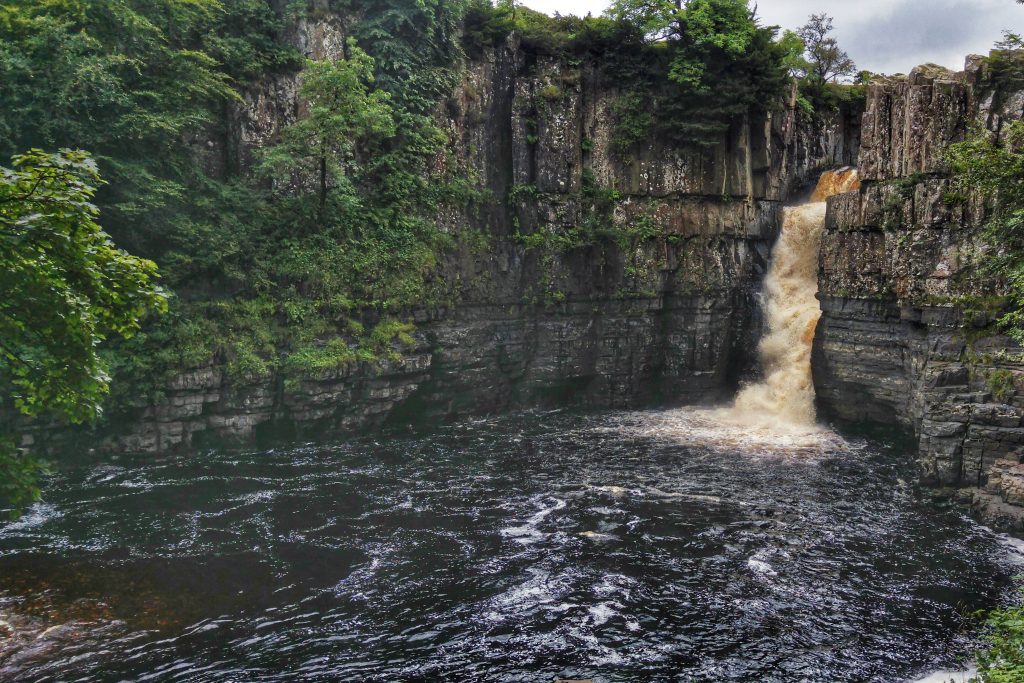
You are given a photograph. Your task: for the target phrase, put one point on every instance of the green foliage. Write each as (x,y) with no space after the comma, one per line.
(245,41)
(518,193)
(793,49)
(320,359)
(813,56)
(700,66)
(550,93)
(596,228)
(827,99)
(710,31)
(64,286)
(826,61)
(70,78)
(346,217)
(1002,384)
(344,116)
(823,67)
(634,121)
(722,62)
(993,167)
(486,25)
(1005,69)
(892,211)
(64,289)
(318,362)
(1002,661)
(654,17)
(341,223)
(19,477)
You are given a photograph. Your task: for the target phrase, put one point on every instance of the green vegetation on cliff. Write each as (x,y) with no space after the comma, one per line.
(260,265)
(990,164)
(722,62)
(335,223)
(308,251)
(698,66)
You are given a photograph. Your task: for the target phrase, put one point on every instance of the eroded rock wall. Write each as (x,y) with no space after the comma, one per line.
(908,335)
(664,313)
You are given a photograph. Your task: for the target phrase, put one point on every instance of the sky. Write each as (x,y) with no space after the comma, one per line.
(884,36)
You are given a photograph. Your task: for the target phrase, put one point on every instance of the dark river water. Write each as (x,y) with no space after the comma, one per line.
(619,547)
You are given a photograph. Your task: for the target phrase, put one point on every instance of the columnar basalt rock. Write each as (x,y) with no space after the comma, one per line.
(668,315)
(906,337)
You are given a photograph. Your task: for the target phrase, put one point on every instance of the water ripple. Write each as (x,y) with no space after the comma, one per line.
(640,546)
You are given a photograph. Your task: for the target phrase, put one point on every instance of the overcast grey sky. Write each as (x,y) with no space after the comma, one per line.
(887,36)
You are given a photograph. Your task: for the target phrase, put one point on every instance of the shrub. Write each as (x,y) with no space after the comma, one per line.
(550,93)
(1002,661)
(1002,384)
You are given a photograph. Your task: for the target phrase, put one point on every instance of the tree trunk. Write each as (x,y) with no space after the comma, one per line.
(323,186)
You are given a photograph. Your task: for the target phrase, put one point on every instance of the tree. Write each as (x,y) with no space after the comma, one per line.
(827,61)
(657,18)
(723,61)
(710,32)
(64,289)
(793,49)
(343,113)
(141,84)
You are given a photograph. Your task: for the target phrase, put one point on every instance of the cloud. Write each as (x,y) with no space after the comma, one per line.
(894,36)
(887,36)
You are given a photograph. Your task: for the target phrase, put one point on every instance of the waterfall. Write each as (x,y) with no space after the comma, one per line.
(784,398)
(775,416)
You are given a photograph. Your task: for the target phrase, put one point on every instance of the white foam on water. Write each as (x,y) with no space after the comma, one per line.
(761,567)
(1014,549)
(949,676)
(529,532)
(717,430)
(37,515)
(602,612)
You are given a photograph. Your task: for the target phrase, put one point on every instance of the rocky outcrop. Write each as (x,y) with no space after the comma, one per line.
(907,335)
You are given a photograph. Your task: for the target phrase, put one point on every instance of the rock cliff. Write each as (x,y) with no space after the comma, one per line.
(907,336)
(660,305)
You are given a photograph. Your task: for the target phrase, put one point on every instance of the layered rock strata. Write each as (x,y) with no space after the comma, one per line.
(908,336)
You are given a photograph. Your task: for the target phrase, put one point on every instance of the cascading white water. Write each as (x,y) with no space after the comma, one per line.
(784,399)
(786,394)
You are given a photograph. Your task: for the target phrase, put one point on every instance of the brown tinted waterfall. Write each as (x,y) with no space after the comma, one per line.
(785,397)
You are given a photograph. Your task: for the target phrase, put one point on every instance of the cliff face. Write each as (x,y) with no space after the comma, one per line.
(661,308)
(907,336)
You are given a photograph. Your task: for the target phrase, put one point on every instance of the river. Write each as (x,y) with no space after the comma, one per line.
(639,546)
